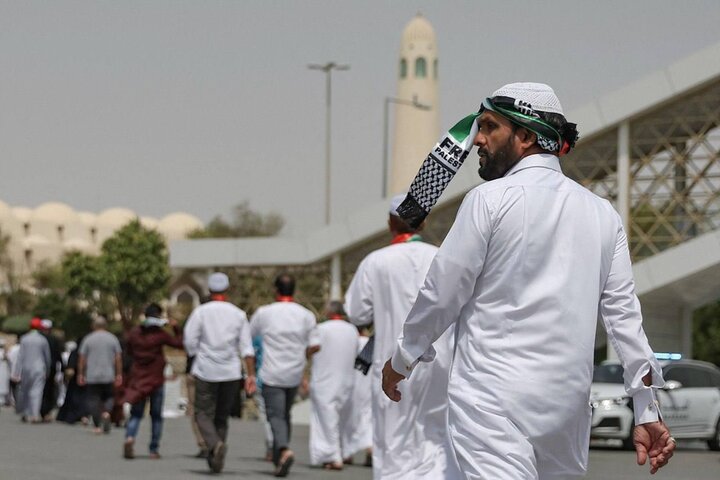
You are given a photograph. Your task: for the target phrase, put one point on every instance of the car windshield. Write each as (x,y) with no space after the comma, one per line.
(608,374)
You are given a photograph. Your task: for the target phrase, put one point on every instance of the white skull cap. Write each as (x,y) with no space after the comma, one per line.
(218,282)
(540,96)
(395,203)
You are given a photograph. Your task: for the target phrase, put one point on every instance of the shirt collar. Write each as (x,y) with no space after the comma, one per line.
(540,160)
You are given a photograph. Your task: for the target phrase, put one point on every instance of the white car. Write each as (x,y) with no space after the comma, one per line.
(690,402)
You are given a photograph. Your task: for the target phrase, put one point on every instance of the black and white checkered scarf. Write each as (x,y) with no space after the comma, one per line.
(437,170)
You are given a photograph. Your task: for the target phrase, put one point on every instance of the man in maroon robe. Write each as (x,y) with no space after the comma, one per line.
(145,344)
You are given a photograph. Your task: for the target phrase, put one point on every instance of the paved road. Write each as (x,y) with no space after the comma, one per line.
(57,451)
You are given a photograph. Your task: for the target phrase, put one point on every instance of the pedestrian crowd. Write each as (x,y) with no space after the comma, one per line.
(101,380)
(480,360)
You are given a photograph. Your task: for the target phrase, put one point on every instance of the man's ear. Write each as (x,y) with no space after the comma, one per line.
(526,137)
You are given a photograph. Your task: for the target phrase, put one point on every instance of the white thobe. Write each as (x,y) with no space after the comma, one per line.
(331,384)
(359,431)
(530,263)
(217,334)
(410,437)
(32,367)
(286,329)
(4,377)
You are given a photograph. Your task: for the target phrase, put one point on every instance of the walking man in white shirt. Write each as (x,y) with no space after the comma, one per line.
(217,334)
(530,263)
(331,389)
(289,335)
(361,412)
(409,439)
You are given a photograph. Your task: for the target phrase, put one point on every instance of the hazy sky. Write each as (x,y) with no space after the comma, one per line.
(195,106)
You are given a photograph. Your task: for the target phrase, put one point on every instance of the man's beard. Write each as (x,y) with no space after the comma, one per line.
(498,163)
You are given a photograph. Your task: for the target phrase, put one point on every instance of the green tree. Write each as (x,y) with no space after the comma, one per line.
(134,269)
(54,302)
(245,223)
(131,270)
(16,300)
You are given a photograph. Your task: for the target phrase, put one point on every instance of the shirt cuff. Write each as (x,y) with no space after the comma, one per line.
(403,362)
(645,406)
(400,364)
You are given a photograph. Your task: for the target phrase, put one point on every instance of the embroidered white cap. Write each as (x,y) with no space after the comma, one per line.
(218,282)
(540,96)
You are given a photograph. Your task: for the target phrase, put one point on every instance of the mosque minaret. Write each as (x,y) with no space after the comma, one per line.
(416,130)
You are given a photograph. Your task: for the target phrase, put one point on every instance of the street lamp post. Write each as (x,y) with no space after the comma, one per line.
(327,69)
(386,114)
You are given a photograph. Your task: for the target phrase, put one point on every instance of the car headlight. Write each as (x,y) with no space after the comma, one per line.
(611,402)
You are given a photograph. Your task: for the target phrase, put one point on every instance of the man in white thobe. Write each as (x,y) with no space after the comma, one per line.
(217,335)
(530,263)
(360,428)
(409,438)
(288,332)
(332,379)
(31,370)
(4,375)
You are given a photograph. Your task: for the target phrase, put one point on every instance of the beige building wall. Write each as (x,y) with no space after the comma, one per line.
(45,233)
(415,130)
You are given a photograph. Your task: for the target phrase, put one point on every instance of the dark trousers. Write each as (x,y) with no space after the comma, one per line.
(278,402)
(213,404)
(49,400)
(99,400)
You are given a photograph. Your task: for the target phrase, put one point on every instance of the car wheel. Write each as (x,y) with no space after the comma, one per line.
(627,442)
(714,443)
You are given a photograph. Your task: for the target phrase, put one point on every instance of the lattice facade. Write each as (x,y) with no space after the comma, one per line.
(593,164)
(675,173)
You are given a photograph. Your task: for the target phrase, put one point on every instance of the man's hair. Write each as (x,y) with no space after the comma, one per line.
(399,226)
(98,322)
(335,307)
(153,310)
(285,284)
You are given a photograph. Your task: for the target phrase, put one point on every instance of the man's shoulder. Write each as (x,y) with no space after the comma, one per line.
(283,308)
(101,337)
(294,307)
(215,306)
(381,255)
(337,325)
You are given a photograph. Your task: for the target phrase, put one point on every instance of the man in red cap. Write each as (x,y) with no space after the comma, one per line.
(30,370)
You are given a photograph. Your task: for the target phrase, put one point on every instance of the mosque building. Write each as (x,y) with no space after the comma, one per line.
(417,118)
(44,234)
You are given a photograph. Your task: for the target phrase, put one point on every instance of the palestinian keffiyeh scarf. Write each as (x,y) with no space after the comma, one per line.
(440,166)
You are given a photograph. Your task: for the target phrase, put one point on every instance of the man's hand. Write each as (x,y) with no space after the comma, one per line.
(118,380)
(390,380)
(304,388)
(250,385)
(653,440)
(81,379)
(172,323)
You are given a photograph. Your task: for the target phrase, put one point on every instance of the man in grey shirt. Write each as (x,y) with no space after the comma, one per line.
(100,367)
